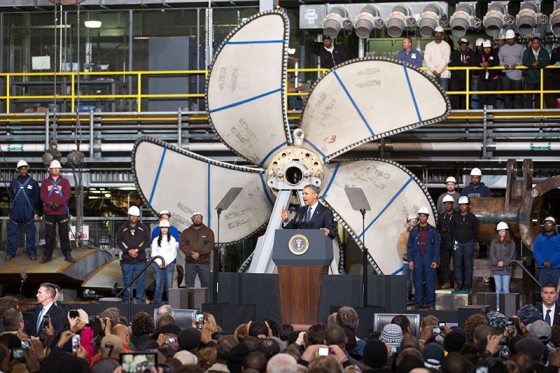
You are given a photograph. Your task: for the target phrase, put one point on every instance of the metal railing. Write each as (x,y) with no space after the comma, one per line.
(136,86)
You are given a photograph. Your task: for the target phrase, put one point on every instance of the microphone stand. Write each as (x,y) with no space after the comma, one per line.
(359,202)
(364,258)
(224,204)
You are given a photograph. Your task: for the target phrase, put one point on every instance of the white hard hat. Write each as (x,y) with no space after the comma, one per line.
(423,210)
(463,41)
(476,172)
(550,218)
(55,164)
(501,37)
(134,211)
(463,200)
(502,225)
(487,44)
(450,179)
(411,217)
(164,224)
(438,29)
(22,163)
(479,41)
(164,212)
(448,198)
(196,213)
(510,34)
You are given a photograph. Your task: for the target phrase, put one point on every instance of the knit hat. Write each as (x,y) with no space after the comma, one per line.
(375,354)
(496,319)
(454,341)
(111,340)
(236,356)
(186,357)
(392,333)
(189,338)
(457,329)
(540,331)
(170,329)
(531,347)
(433,355)
(105,364)
(526,311)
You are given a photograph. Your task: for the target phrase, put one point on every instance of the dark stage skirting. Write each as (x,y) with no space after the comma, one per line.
(336,290)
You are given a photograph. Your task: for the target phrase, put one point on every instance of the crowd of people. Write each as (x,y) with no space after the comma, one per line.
(74,342)
(424,248)
(439,55)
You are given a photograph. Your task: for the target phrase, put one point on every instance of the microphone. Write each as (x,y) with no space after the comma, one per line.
(23,274)
(300,218)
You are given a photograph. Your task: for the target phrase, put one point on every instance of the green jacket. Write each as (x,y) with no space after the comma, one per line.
(533,75)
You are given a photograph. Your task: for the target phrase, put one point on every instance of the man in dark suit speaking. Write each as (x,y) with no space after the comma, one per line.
(313,215)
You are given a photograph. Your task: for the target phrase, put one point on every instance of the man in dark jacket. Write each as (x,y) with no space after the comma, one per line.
(446,245)
(24,192)
(133,238)
(55,194)
(197,242)
(329,53)
(423,256)
(461,57)
(535,58)
(464,227)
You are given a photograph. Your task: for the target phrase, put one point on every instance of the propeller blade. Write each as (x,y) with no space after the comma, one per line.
(182,182)
(245,88)
(366,99)
(393,192)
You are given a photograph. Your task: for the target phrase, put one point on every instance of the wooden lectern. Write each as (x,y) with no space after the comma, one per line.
(302,256)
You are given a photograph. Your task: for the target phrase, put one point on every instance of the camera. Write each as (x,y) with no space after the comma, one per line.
(75,343)
(323,351)
(132,362)
(199,320)
(25,343)
(171,342)
(436,330)
(18,354)
(441,323)
(73,314)
(46,321)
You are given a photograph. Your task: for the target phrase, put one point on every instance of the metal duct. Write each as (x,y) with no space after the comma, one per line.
(461,20)
(555,19)
(367,20)
(527,18)
(429,20)
(399,18)
(493,21)
(334,21)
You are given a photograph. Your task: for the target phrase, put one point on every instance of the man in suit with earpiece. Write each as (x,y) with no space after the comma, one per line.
(314,215)
(47,307)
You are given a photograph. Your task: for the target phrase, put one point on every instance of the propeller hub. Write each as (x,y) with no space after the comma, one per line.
(293,168)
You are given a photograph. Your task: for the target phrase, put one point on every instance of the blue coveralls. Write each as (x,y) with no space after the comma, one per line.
(423,272)
(24,192)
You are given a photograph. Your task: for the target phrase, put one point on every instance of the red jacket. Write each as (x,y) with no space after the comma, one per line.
(59,194)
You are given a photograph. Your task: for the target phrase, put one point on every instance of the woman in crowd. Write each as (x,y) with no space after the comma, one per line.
(502,251)
(165,246)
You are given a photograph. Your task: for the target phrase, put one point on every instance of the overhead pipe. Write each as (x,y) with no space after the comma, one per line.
(398,20)
(367,20)
(555,19)
(429,20)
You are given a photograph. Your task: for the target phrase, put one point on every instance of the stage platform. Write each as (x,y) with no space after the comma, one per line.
(88,261)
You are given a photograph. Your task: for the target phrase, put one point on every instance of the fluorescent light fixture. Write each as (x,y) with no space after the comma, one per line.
(93,24)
